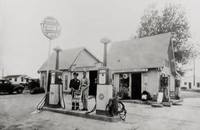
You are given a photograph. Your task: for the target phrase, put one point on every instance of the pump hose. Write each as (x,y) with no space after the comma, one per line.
(62,98)
(42,101)
(94,108)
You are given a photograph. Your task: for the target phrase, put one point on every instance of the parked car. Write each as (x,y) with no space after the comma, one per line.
(34,86)
(7,86)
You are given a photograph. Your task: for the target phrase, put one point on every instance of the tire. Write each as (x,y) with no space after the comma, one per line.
(109,112)
(122,111)
(32,91)
(19,91)
(121,107)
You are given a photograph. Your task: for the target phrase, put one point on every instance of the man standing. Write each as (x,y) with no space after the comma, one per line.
(85,90)
(74,85)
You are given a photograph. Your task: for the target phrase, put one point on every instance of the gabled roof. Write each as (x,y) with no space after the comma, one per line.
(147,52)
(15,76)
(66,59)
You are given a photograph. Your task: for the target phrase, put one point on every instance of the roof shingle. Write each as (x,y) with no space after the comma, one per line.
(148,52)
(66,59)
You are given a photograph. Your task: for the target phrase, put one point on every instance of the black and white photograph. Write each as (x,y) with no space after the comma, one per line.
(99,65)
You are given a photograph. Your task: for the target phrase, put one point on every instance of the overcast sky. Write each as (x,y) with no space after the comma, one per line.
(23,48)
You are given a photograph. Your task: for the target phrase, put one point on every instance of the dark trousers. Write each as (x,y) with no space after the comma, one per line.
(75,103)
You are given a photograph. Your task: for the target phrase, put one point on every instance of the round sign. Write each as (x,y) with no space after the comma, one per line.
(50,28)
(125,76)
(101,96)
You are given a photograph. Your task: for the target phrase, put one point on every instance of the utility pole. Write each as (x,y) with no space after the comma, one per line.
(194,69)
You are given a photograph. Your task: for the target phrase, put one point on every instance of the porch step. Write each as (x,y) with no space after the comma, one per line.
(138,102)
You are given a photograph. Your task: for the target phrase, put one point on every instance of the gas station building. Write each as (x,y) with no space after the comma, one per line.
(70,60)
(136,65)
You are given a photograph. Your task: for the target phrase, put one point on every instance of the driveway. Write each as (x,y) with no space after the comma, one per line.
(16,114)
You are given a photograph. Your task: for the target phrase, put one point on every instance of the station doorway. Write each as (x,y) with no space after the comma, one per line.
(136,86)
(93,83)
(190,85)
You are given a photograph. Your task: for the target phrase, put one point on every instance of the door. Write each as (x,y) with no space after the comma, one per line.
(136,86)
(66,82)
(190,85)
(93,83)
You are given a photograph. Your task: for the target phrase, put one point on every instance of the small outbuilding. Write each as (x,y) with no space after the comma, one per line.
(18,79)
(136,65)
(73,60)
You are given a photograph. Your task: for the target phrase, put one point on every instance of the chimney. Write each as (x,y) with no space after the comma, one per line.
(57,50)
(105,41)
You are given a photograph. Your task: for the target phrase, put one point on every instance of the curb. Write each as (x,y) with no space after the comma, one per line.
(83,115)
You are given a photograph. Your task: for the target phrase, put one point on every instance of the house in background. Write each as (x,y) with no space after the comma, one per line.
(18,79)
(188,82)
(73,60)
(191,78)
(138,64)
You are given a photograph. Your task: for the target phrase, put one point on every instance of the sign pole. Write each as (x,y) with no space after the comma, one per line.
(51,29)
(48,66)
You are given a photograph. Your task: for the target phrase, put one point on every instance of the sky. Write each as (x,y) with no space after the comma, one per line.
(23,47)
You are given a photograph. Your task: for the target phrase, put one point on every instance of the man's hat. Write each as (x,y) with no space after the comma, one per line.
(75,73)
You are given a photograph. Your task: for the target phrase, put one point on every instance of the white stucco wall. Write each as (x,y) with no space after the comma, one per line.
(43,79)
(172,83)
(150,82)
(66,77)
(85,60)
(116,82)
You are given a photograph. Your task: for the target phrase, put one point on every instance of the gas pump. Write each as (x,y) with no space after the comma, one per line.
(54,97)
(56,90)
(104,91)
(164,79)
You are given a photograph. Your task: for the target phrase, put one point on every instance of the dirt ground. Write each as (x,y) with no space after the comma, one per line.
(16,114)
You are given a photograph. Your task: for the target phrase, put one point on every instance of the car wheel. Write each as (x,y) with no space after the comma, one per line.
(19,90)
(31,91)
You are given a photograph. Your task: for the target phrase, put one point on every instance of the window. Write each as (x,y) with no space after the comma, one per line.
(22,79)
(185,83)
(198,84)
(6,82)
(15,79)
